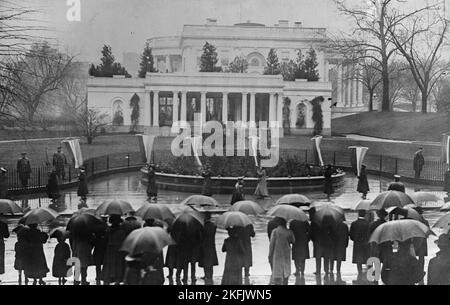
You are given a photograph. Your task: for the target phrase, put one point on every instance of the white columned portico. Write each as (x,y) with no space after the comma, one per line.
(348,100)
(339,86)
(175,117)
(155,108)
(272,110)
(224,107)
(252,109)
(146,109)
(244,109)
(203,107)
(183,105)
(354,90)
(280,110)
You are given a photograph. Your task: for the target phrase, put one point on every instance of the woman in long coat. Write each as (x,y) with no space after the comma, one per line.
(246,233)
(19,249)
(300,249)
(359,234)
(208,254)
(4,233)
(326,242)
(340,247)
(261,189)
(152,189)
(234,260)
(113,264)
(206,188)
(363,184)
(238,192)
(35,265)
(52,187)
(280,254)
(82,185)
(328,181)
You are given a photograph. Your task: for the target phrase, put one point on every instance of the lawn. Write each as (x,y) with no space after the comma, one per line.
(395,125)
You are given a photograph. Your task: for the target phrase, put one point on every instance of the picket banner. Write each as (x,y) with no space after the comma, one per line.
(357,158)
(73,147)
(316,150)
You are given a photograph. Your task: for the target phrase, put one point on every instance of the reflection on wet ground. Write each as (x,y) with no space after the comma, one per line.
(127,186)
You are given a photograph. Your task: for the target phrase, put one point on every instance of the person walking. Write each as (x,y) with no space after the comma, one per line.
(359,234)
(113,265)
(34,262)
(61,255)
(328,181)
(208,254)
(261,190)
(52,187)
(418,162)
(234,259)
(246,234)
(396,185)
(439,266)
(280,253)
(152,189)
(238,192)
(300,249)
(206,174)
(24,170)
(4,185)
(59,163)
(4,233)
(340,248)
(82,191)
(363,184)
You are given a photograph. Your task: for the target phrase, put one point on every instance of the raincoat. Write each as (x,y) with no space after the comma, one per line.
(208,254)
(280,252)
(359,234)
(300,249)
(34,263)
(261,188)
(234,261)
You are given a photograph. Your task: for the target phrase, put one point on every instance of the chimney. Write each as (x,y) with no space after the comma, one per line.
(211,21)
(298,24)
(283,23)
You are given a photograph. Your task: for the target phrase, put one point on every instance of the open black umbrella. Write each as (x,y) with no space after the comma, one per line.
(85,225)
(390,199)
(188,227)
(114,207)
(9,207)
(146,240)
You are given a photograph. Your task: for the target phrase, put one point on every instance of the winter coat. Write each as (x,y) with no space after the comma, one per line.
(328,182)
(280,252)
(34,262)
(363,184)
(206,188)
(4,233)
(82,249)
(24,168)
(401,269)
(359,234)
(341,241)
(114,261)
(418,162)
(82,185)
(52,187)
(261,189)
(234,261)
(238,193)
(152,189)
(272,225)
(439,269)
(300,249)
(208,254)
(245,234)
(62,254)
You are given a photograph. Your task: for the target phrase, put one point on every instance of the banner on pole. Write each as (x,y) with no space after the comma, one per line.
(357,158)
(146,146)
(254,148)
(316,150)
(73,147)
(196,142)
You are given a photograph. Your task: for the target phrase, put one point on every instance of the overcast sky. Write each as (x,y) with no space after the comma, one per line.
(126,24)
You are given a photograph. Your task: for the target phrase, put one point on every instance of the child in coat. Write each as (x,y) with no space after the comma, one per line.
(19,248)
(62,254)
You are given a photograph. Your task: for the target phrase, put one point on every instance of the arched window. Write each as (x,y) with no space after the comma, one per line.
(117,113)
(254,62)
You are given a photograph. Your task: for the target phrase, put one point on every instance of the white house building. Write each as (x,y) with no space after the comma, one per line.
(178,90)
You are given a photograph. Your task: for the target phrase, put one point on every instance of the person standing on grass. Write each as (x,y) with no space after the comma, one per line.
(418,162)
(24,169)
(363,184)
(359,234)
(4,233)
(59,162)
(3,183)
(280,253)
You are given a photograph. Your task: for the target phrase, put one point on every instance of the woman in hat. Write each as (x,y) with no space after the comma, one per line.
(152,189)
(53,186)
(19,248)
(3,183)
(261,191)
(34,262)
(238,192)
(363,184)
(82,185)
(113,265)
(439,266)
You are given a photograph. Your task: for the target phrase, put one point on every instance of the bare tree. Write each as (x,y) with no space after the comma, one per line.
(421,44)
(374,25)
(90,121)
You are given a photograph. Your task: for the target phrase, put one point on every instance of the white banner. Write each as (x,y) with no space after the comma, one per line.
(254,148)
(146,146)
(73,146)
(196,142)
(360,153)
(316,149)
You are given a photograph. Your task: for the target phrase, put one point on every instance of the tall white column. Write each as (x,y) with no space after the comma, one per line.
(146,109)
(244,108)
(280,110)
(272,110)
(155,108)
(224,107)
(339,86)
(183,106)
(175,117)
(252,109)
(203,106)
(348,81)
(354,90)
(360,94)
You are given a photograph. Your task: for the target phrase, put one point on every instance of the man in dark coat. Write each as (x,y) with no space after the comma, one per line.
(420,244)
(439,266)
(59,162)
(418,162)
(300,249)
(246,233)
(206,188)
(208,254)
(3,183)
(82,185)
(152,190)
(396,185)
(340,248)
(363,184)
(359,234)
(381,250)
(24,169)
(328,181)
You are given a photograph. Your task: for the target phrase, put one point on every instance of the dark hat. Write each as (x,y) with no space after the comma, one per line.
(443,241)
(382,213)
(23,154)
(59,147)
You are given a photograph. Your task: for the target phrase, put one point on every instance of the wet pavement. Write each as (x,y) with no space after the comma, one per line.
(127,186)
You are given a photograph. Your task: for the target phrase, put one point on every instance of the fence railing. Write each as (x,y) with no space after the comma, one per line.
(433,171)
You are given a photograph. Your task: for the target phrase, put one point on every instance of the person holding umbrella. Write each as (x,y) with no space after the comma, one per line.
(280,253)
(152,189)
(3,183)
(154,261)
(314,236)
(363,184)
(34,262)
(62,254)
(82,185)
(208,254)
(328,181)
(381,250)
(206,174)
(113,267)
(4,233)
(234,259)
(300,249)
(327,240)
(81,246)
(273,224)
(359,234)
(439,266)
